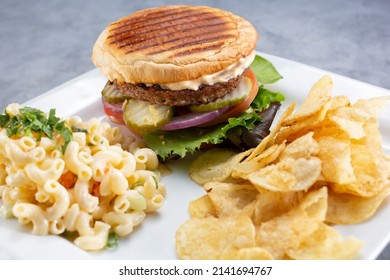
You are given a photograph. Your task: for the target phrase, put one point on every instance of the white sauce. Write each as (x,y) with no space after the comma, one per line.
(222,76)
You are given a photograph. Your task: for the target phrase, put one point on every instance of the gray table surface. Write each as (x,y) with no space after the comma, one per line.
(45,43)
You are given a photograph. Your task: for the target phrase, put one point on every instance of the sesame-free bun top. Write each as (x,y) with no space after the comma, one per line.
(171,44)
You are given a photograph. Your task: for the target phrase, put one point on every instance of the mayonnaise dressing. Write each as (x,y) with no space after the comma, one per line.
(222,76)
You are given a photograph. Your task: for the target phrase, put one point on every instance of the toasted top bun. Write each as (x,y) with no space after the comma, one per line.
(171,44)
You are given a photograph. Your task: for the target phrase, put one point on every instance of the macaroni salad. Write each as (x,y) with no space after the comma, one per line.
(69,176)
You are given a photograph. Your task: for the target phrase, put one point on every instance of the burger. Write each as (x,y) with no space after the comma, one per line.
(181,77)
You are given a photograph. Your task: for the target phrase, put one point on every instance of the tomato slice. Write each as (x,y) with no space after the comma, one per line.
(238,109)
(113,111)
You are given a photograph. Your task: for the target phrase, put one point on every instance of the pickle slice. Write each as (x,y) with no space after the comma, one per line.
(238,95)
(144,117)
(111,94)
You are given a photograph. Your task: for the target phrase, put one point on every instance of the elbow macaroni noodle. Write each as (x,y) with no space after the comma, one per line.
(103,182)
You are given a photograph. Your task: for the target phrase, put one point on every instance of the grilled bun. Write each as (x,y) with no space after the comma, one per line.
(171,44)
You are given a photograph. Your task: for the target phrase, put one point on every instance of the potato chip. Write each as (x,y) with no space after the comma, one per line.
(370,179)
(214,238)
(366,161)
(366,189)
(164,170)
(232,199)
(275,177)
(339,101)
(318,96)
(328,128)
(202,207)
(304,126)
(270,154)
(285,232)
(385,163)
(335,154)
(315,204)
(214,164)
(346,209)
(269,139)
(373,106)
(242,169)
(323,163)
(288,175)
(372,143)
(303,147)
(350,120)
(325,244)
(288,230)
(270,204)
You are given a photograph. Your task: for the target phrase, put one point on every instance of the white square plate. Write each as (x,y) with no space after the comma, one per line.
(155,237)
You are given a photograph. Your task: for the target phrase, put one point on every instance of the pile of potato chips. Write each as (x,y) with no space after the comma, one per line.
(320,166)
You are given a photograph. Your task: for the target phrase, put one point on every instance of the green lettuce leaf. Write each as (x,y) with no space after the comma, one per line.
(265,71)
(181,142)
(265,97)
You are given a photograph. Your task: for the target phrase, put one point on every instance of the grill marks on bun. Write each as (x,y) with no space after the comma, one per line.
(148,21)
(172,44)
(181,30)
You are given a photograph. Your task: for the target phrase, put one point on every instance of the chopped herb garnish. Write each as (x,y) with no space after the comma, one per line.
(52,120)
(4,119)
(78,129)
(35,123)
(112,240)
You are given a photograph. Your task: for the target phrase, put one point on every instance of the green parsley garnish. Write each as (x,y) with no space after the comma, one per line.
(78,129)
(35,123)
(112,240)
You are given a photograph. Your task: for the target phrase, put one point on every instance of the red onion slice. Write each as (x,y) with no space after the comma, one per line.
(116,107)
(193,119)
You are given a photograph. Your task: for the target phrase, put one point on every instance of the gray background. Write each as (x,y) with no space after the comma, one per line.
(46,43)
